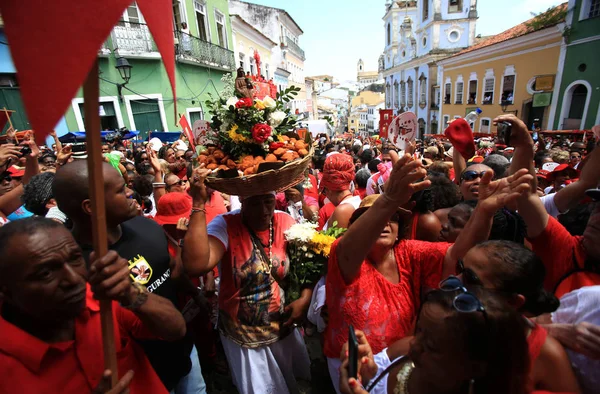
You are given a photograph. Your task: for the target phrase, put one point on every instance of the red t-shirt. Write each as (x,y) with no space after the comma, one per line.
(314,190)
(324,214)
(215,207)
(559,251)
(30,365)
(386,312)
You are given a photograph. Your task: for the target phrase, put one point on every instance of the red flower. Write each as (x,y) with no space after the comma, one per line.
(260,132)
(275,145)
(244,103)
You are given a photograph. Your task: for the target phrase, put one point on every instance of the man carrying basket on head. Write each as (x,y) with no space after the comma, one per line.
(264,349)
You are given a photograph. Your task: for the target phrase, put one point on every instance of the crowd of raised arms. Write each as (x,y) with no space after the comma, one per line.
(454,274)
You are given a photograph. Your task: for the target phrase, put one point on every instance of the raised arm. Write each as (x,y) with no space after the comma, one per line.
(493,195)
(200,253)
(356,243)
(568,197)
(459,163)
(56,141)
(158,186)
(524,147)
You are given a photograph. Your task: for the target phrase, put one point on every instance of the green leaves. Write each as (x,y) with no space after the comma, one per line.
(288,94)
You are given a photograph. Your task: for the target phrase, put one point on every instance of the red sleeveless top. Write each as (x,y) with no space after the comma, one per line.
(386,312)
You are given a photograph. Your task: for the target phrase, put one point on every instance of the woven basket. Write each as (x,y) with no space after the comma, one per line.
(266,182)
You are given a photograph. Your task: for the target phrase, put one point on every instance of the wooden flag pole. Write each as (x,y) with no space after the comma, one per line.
(91,104)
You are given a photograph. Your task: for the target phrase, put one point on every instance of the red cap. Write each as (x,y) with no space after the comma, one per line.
(477,160)
(16,172)
(172,207)
(542,174)
(573,173)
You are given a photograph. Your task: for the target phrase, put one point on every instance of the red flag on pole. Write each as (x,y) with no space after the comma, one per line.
(50,75)
(187,130)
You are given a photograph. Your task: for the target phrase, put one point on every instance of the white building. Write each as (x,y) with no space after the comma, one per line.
(418,33)
(365,78)
(287,57)
(373,117)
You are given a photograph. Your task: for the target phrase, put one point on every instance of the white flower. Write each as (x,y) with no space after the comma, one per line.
(276,118)
(269,102)
(301,233)
(231,101)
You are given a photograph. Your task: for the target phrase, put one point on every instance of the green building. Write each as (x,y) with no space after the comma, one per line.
(202,56)
(577,104)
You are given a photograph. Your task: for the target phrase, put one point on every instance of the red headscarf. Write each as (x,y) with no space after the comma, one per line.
(338,172)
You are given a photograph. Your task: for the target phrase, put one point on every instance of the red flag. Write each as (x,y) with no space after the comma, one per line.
(50,75)
(187,130)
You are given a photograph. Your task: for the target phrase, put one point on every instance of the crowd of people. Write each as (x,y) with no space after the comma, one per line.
(458,274)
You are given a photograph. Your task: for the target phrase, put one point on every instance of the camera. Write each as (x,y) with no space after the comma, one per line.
(504,131)
(25,151)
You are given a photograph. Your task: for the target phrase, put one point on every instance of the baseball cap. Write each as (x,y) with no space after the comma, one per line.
(173,206)
(16,172)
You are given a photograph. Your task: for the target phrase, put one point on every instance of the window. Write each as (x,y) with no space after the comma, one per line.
(201,21)
(410,92)
(389,34)
(447,93)
(594,9)
(472,92)
(10,98)
(195,114)
(425,10)
(402,94)
(108,116)
(146,115)
(459,92)
(267,73)
(454,5)
(578,100)
(178,13)
(484,125)
(397,93)
(132,16)
(488,91)
(422,89)
(446,120)
(242,57)
(221,29)
(508,88)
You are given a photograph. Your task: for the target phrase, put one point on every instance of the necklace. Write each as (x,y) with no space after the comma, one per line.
(403,377)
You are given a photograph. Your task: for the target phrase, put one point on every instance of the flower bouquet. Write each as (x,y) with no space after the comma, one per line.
(248,133)
(308,250)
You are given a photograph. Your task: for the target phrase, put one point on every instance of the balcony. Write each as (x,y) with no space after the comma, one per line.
(134,40)
(437,106)
(294,48)
(193,50)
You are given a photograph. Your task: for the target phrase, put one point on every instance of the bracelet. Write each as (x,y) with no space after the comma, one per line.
(158,184)
(197,209)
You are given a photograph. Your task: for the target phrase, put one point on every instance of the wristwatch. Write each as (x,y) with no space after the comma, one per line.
(140,298)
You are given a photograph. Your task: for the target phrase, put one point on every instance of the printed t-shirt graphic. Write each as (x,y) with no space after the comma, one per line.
(251,300)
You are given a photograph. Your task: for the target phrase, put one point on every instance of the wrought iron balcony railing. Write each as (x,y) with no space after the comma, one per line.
(133,39)
(194,50)
(295,48)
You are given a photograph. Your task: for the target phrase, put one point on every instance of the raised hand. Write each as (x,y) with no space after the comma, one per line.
(109,278)
(153,158)
(64,155)
(402,183)
(197,187)
(519,135)
(8,152)
(494,195)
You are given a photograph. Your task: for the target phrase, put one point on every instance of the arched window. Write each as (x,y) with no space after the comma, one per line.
(389,34)
(578,102)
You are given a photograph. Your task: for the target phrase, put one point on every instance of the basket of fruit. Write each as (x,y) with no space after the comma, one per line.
(253,149)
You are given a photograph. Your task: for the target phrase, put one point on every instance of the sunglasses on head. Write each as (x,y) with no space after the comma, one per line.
(471,175)
(465,301)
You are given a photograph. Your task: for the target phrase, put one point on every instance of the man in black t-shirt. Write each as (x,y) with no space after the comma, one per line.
(143,243)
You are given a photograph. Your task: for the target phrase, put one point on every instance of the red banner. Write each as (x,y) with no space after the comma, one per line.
(50,75)
(385,119)
(187,130)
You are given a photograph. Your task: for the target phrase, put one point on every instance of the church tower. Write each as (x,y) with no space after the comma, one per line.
(360,67)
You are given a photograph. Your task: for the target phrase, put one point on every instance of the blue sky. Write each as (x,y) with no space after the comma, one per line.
(339,32)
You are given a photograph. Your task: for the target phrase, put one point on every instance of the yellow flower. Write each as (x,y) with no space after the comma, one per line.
(280,138)
(258,104)
(235,137)
(321,244)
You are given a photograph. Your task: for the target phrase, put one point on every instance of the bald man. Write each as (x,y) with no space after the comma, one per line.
(143,243)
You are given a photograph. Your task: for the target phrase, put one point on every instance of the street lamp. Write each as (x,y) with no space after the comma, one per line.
(125,71)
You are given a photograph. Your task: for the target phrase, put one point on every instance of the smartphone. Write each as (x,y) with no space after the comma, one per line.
(352,353)
(504,131)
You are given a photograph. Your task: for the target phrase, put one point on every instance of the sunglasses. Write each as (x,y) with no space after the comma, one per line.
(465,301)
(471,175)
(469,276)
(180,183)
(575,157)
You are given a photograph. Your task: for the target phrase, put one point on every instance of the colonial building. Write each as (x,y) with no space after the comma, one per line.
(142,101)
(287,58)
(249,45)
(418,33)
(513,71)
(363,77)
(576,103)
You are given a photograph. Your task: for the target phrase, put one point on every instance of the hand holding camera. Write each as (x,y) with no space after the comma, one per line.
(512,131)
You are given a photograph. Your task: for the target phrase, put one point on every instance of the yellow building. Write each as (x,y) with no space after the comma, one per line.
(499,76)
(354,122)
(367,98)
(247,40)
